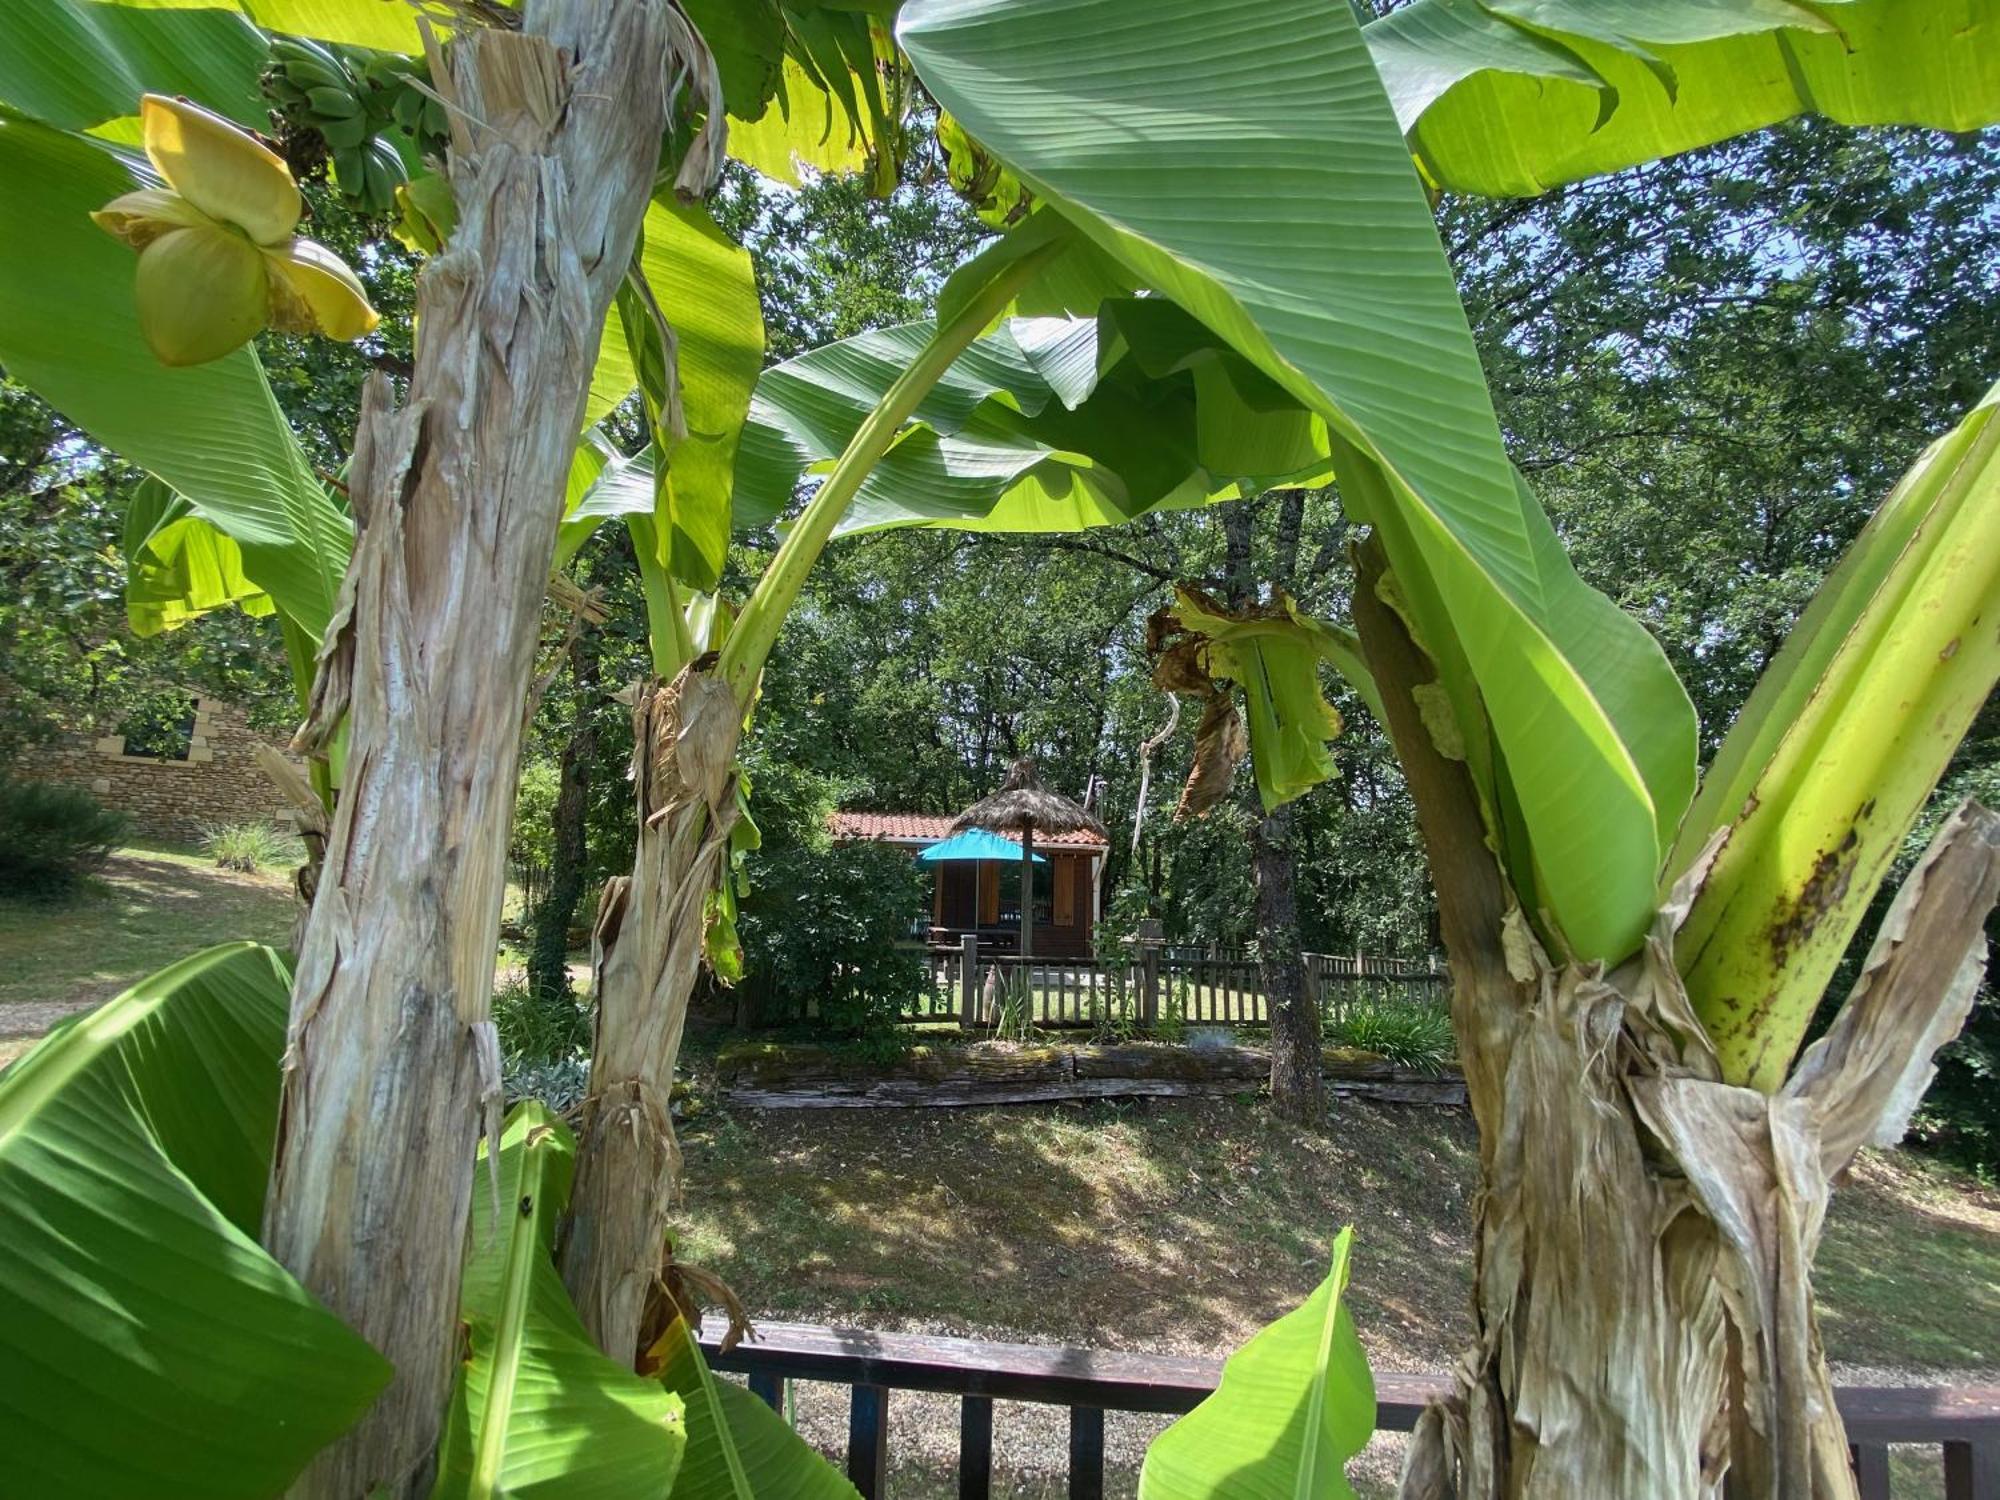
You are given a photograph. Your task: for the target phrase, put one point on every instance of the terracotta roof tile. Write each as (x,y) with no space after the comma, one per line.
(928,828)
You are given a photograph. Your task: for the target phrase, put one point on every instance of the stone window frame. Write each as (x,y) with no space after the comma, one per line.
(201,749)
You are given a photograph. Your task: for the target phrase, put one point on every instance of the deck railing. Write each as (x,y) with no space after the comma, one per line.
(1961,1426)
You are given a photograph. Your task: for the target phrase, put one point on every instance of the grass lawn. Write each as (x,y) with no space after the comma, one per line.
(148,907)
(1170,1225)
(1184,1225)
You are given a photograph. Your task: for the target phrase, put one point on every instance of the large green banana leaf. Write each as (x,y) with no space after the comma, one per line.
(737,1447)
(1241,157)
(1044,424)
(178,566)
(213,432)
(147,1345)
(1838,750)
(1295,1404)
(538,1412)
(702,283)
(77,63)
(1512,97)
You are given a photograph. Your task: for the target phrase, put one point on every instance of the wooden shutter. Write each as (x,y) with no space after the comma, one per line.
(1065,900)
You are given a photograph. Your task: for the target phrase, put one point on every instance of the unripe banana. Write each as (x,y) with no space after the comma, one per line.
(352,131)
(332,104)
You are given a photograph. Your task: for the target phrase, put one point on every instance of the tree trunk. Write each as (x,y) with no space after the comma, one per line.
(646,952)
(548,956)
(1642,1299)
(456,495)
(1028,910)
(1298,1089)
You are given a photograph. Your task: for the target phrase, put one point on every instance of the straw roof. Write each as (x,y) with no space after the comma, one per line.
(1022,804)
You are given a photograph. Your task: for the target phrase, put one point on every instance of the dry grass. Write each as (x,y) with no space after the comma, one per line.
(147,908)
(1184,1225)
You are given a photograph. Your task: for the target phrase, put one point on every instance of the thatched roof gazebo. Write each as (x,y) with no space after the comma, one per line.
(1025,807)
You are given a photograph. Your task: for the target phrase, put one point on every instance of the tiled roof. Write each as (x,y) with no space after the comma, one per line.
(928,828)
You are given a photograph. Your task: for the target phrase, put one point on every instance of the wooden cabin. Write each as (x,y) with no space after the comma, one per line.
(983,896)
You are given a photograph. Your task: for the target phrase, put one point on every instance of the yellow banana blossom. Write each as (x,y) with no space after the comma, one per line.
(217,257)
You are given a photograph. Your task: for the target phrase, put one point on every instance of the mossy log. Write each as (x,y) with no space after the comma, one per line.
(777,1076)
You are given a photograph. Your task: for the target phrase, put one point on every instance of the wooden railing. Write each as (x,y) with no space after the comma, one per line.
(1960,1426)
(1157,985)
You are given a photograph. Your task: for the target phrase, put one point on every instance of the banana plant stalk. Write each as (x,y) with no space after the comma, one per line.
(651,927)
(457,495)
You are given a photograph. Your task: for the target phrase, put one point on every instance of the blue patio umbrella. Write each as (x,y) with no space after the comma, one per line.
(974,843)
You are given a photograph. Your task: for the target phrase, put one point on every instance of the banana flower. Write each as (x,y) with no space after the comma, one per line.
(217,257)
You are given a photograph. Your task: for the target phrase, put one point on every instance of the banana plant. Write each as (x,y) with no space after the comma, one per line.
(1295,1404)
(1551,751)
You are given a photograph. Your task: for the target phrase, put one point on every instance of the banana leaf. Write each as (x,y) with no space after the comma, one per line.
(1272,653)
(77,63)
(538,1413)
(148,1346)
(1295,1404)
(1512,97)
(1831,761)
(178,566)
(1241,158)
(212,432)
(737,1447)
(1044,424)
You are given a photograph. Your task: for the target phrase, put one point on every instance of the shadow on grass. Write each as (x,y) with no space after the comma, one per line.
(1155,1224)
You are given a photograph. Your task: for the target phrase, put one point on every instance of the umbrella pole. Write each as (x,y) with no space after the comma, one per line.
(1028,893)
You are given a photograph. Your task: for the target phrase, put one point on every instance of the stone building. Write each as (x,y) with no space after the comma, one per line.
(205,773)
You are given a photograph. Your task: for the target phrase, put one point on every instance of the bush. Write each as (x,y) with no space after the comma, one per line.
(250,846)
(52,837)
(826,928)
(537,1032)
(1410,1033)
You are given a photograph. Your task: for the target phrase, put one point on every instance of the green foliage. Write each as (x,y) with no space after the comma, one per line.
(250,846)
(53,837)
(537,1031)
(1563,706)
(531,843)
(1411,1033)
(134,1147)
(737,1447)
(826,928)
(1295,1403)
(537,1409)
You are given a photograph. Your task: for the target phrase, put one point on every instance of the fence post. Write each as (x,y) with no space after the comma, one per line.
(968,975)
(1152,933)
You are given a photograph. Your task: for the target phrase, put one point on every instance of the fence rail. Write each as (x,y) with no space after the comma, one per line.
(1158,984)
(1961,1426)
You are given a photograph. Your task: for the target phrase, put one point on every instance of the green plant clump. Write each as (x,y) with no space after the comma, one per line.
(249,846)
(52,837)
(1411,1034)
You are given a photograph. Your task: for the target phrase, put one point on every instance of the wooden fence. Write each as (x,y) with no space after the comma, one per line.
(1960,1427)
(1158,985)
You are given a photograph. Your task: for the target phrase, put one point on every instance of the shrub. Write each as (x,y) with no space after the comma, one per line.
(825,928)
(1410,1033)
(537,1032)
(52,837)
(250,846)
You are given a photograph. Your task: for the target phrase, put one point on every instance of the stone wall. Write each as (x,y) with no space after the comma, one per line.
(219,782)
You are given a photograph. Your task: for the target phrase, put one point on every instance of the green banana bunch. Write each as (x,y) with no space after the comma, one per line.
(351,100)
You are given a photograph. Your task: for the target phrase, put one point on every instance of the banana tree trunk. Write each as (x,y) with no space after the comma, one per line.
(1642,1296)
(646,951)
(456,494)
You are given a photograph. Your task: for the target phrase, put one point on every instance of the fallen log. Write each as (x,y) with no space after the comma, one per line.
(779,1076)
